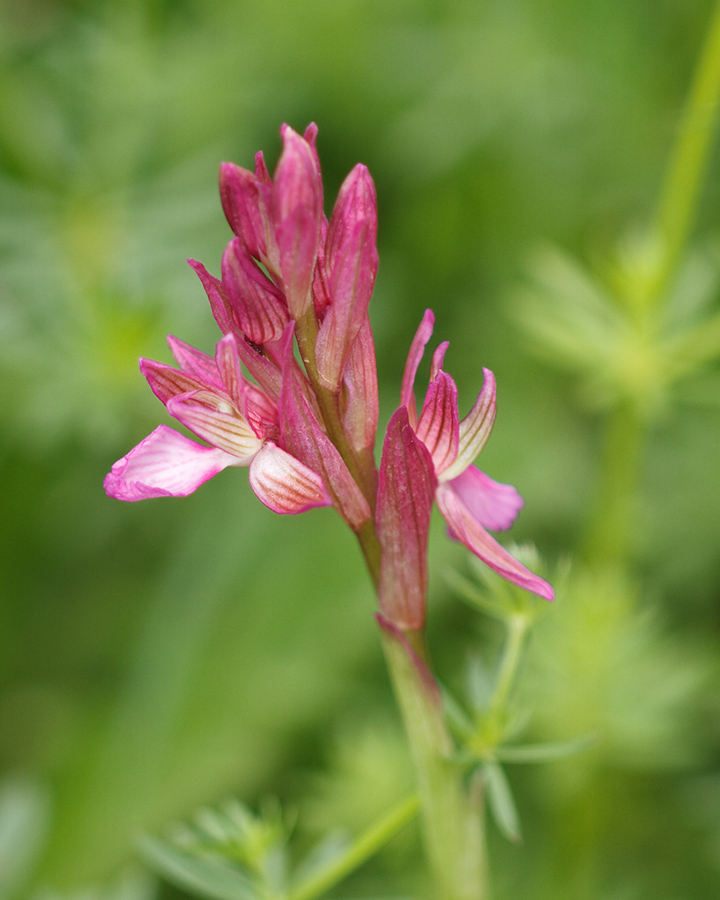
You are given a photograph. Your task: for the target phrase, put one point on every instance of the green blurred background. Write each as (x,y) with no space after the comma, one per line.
(157,656)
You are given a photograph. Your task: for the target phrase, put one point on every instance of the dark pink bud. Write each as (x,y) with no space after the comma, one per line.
(406,489)
(297,215)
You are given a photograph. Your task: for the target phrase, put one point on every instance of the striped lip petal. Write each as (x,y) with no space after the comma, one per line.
(284,484)
(437,427)
(475,428)
(164,464)
(465,528)
(417,348)
(215,420)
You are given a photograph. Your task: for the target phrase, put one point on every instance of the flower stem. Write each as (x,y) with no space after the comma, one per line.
(517,627)
(688,160)
(451,822)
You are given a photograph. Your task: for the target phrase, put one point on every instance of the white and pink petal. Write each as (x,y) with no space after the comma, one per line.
(283,483)
(216,421)
(164,464)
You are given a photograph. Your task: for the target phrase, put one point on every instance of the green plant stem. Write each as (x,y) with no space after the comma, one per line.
(452,824)
(517,626)
(361,849)
(687,165)
(609,537)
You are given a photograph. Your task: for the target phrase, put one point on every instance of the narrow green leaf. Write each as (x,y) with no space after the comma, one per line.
(501,802)
(536,753)
(206,877)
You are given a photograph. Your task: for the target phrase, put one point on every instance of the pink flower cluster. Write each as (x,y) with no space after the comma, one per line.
(307,431)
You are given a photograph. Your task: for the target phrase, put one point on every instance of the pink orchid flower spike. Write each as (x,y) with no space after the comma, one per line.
(468,499)
(237,419)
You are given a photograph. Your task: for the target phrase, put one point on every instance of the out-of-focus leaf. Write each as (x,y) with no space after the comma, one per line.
(24,812)
(208,877)
(501,802)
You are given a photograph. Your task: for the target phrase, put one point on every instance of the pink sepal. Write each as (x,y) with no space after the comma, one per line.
(417,348)
(164,464)
(228,367)
(465,528)
(297,213)
(360,417)
(302,436)
(475,428)
(167,382)
(283,483)
(195,362)
(437,427)
(214,420)
(406,487)
(222,311)
(244,198)
(258,305)
(430,687)
(492,504)
(352,261)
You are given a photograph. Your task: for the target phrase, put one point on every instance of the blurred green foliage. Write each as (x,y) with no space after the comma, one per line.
(157,656)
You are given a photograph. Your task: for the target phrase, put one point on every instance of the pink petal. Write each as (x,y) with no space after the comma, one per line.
(284,484)
(165,464)
(406,488)
(437,427)
(297,214)
(214,420)
(466,529)
(492,504)
(475,428)
(417,348)
(258,305)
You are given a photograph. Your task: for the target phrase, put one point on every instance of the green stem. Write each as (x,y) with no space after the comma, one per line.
(361,849)
(609,535)
(451,822)
(688,161)
(517,629)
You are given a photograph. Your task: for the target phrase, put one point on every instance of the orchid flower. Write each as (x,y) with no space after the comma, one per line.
(237,418)
(429,456)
